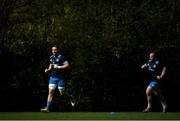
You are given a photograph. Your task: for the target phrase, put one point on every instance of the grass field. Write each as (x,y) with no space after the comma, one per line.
(89,116)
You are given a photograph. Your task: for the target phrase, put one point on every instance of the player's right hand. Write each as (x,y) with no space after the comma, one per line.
(144,66)
(46,70)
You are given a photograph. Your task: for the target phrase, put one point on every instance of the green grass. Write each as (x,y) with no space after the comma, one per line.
(89,116)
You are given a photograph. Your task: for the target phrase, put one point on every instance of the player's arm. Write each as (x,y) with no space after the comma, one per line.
(144,66)
(49,68)
(162,73)
(64,66)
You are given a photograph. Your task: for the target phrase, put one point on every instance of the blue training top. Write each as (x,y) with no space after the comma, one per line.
(57,60)
(154,68)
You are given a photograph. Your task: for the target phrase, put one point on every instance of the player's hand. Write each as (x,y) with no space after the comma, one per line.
(57,67)
(144,66)
(46,70)
(159,77)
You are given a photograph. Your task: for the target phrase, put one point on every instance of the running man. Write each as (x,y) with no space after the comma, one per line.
(58,65)
(156,72)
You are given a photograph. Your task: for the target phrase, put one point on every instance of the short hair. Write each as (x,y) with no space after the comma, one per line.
(54,46)
(153,52)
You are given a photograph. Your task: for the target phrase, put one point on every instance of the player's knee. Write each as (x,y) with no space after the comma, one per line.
(61,91)
(52,87)
(148,91)
(51,92)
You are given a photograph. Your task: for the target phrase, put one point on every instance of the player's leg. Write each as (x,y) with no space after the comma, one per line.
(61,89)
(72,100)
(149,99)
(50,95)
(61,86)
(49,99)
(63,93)
(161,99)
(52,87)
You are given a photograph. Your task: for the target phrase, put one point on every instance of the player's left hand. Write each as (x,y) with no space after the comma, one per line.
(159,77)
(46,70)
(57,67)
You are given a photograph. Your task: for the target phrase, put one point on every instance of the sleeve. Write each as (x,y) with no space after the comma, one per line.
(50,59)
(161,64)
(64,60)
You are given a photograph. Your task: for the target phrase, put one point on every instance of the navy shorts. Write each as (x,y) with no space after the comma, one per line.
(154,84)
(54,82)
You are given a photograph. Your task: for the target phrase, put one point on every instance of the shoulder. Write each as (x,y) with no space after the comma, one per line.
(59,56)
(160,63)
(156,61)
(62,57)
(50,56)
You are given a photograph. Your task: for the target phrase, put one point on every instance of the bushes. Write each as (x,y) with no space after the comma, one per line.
(105,42)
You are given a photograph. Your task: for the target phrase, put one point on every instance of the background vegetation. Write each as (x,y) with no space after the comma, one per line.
(106,41)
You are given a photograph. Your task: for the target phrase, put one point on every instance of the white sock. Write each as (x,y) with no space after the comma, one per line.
(163,103)
(149,105)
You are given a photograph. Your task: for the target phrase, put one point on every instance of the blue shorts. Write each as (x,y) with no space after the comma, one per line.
(154,84)
(54,82)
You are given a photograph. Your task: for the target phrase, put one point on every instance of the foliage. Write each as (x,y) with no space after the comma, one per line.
(105,42)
